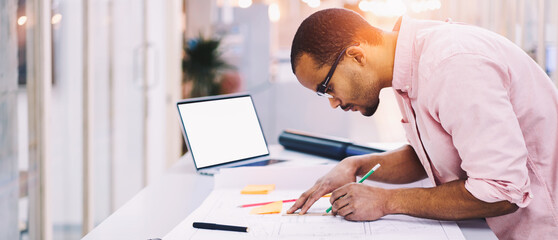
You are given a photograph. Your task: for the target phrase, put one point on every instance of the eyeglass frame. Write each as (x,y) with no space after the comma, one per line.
(322,87)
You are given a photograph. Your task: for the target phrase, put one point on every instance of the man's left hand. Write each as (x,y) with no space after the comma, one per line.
(359,202)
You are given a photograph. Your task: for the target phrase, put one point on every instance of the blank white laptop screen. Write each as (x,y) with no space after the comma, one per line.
(223,130)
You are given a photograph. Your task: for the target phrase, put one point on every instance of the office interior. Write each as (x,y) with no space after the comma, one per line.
(88,90)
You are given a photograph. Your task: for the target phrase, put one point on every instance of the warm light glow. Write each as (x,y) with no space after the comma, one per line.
(387,8)
(273,12)
(423,6)
(56,18)
(21,20)
(313,3)
(244,3)
(364,6)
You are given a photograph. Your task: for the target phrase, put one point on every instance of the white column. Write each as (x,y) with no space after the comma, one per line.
(111,102)
(39,85)
(173,78)
(541,43)
(87,108)
(555,75)
(145,96)
(521,17)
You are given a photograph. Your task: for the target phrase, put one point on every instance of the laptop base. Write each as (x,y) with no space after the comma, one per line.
(264,162)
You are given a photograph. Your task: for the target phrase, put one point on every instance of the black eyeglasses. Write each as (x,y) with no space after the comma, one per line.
(322,88)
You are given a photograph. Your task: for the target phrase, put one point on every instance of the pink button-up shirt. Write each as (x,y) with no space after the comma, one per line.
(476,107)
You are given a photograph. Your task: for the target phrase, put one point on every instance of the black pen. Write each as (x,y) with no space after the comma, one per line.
(213,226)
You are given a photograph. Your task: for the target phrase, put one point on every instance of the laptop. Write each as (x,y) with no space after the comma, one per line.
(222,132)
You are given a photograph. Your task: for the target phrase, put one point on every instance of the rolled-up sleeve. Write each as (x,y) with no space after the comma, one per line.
(472,103)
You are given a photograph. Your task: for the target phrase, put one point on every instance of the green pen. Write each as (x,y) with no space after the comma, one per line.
(362,180)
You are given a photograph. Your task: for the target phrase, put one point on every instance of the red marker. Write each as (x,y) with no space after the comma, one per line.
(264,203)
(284,201)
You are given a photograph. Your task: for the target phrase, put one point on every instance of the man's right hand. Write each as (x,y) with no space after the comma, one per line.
(343,173)
(398,166)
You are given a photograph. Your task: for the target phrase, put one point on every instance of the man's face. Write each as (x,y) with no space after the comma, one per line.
(352,87)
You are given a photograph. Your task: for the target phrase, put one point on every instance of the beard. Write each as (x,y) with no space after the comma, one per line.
(370,110)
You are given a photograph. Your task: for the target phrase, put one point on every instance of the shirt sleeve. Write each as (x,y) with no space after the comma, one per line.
(472,102)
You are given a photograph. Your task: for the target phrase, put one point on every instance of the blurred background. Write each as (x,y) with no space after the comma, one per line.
(88,89)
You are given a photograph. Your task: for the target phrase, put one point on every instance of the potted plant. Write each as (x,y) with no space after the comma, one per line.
(203,66)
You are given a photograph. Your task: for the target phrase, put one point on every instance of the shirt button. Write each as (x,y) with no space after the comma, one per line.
(407,87)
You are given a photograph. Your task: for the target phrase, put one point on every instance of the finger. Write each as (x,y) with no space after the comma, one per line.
(337,193)
(312,199)
(345,211)
(301,200)
(339,204)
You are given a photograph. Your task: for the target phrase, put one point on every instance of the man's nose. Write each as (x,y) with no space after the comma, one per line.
(334,102)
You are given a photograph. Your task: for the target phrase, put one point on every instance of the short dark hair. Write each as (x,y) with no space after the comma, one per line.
(324,34)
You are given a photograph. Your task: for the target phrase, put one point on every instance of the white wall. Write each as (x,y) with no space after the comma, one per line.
(118,33)
(9,176)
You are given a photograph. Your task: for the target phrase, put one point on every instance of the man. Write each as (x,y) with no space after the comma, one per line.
(481,118)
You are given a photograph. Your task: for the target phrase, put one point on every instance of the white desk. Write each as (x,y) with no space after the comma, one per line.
(159,207)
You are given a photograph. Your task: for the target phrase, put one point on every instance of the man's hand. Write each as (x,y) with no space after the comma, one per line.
(449,201)
(343,173)
(359,202)
(398,166)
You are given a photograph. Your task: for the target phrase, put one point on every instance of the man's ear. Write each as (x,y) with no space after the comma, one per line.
(357,53)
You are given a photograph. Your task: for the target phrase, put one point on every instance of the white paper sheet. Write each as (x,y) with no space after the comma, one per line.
(221,206)
(285,177)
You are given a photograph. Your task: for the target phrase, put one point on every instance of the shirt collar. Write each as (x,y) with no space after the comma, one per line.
(402,65)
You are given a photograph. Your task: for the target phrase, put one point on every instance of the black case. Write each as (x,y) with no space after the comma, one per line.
(324,146)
